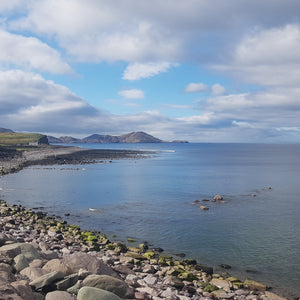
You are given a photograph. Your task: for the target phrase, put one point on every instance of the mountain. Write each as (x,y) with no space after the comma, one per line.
(133,137)
(103,139)
(138,137)
(5,130)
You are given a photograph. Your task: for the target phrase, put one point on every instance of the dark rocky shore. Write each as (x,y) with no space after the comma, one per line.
(43,257)
(13,161)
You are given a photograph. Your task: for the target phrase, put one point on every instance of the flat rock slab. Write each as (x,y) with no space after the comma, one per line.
(46,280)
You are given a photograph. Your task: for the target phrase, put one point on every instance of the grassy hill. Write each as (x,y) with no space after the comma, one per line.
(13,139)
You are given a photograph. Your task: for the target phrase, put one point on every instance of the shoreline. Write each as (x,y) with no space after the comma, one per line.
(14,161)
(185,281)
(145,273)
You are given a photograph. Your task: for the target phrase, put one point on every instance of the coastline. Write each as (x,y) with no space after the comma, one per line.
(53,155)
(167,278)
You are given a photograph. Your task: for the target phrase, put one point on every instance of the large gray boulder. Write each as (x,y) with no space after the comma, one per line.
(108,283)
(92,293)
(79,260)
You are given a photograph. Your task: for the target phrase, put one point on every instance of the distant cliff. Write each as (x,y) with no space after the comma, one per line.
(133,137)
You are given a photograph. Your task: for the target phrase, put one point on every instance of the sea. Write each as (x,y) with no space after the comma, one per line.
(255,230)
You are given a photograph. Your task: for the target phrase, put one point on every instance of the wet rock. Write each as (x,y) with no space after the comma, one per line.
(217,198)
(196,202)
(202,207)
(92,293)
(254,285)
(225,266)
(273,296)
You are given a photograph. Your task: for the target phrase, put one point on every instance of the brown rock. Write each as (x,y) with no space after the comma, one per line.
(57,265)
(59,295)
(23,289)
(254,285)
(88,262)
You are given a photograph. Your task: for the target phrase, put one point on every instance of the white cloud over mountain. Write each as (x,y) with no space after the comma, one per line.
(256,44)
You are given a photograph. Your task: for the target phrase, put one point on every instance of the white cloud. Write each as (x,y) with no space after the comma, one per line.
(218,89)
(199,87)
(268,57)
(196,87)
(29,52)
(136,71)
(132,94)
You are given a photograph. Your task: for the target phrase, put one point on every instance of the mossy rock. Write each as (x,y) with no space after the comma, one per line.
(232,279)
(190,262)
(203,268)
(143,247)
(210,288)
(92,238)
(165,260)
(135,256)
(149,254)
(187,276)
(131,240)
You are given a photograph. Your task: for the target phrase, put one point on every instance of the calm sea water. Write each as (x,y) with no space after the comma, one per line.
(152,200)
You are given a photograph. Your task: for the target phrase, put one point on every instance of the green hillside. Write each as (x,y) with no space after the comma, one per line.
(22,139)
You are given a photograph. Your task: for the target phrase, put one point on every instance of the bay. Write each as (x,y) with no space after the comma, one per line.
(151,199)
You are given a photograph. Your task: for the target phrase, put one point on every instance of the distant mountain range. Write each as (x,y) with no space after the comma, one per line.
(133,137)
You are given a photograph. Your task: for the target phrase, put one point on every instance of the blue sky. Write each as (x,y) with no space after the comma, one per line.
(198,70)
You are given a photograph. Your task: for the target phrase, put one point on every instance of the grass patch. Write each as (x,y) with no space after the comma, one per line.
(20,139)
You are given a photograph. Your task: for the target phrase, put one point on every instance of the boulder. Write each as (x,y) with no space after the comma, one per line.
(220,283)
(67,282)
(23,289)
(254,285)
(7,291)
(33,273)
(57,265)
(217,198)
(20,262)
(79,260)
(202,207)
(59,295)
(46,280)
(273,296)
(11,250)
(108,283)
(92,293)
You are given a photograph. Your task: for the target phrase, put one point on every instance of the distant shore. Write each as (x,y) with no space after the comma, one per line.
(13,161)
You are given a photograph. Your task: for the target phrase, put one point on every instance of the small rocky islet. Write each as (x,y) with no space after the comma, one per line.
(43,257)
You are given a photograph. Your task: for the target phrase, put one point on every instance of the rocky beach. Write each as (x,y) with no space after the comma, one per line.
(44,257)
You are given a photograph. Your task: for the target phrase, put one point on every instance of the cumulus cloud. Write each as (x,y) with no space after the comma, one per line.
(215,89)
(268,57)
(146,31)
(29,52)
(136,71)
(132,94)
(196,87)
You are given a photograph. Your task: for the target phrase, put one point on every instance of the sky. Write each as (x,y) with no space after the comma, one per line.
(196,70)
